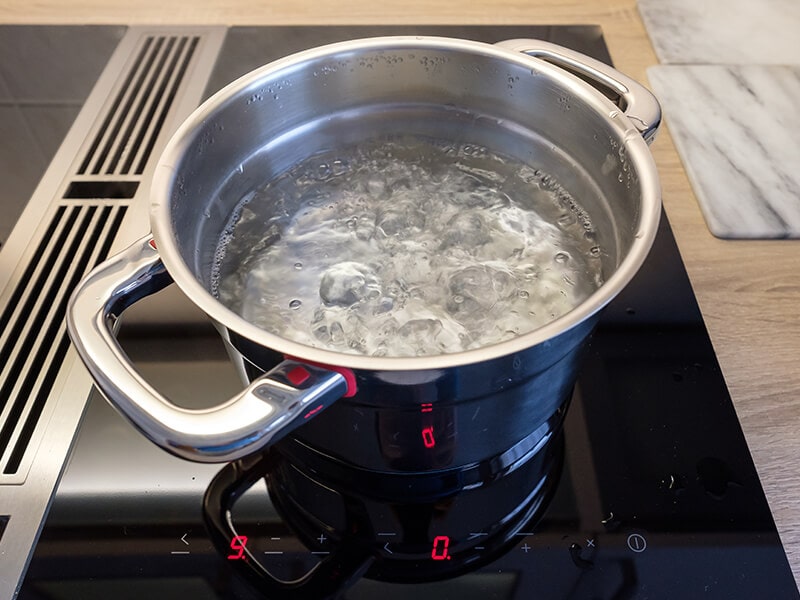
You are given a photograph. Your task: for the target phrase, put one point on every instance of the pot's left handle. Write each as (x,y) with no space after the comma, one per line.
(270,407)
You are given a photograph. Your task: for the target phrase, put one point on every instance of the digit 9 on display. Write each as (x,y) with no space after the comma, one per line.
(238,545)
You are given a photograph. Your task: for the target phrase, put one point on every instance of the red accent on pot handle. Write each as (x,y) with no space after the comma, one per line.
(265,411)
(298,375)
(349,376)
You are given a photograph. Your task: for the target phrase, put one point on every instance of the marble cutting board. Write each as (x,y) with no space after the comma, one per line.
(729,87)
(735,128)
(723,31)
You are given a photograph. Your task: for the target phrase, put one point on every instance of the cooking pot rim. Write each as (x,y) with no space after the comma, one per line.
(165,176)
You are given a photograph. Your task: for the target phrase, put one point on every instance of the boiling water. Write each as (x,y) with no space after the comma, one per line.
(404,247)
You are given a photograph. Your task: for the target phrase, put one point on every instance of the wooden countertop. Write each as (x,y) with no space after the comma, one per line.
(748,291)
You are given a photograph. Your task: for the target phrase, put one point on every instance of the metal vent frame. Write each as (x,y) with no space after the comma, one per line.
(33,340)
(73,220)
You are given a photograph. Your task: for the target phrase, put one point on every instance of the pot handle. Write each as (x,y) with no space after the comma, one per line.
(267,409)
(635,100)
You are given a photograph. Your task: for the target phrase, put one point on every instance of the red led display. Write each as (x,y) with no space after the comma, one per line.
(427,437)
(238,544)
(441,544)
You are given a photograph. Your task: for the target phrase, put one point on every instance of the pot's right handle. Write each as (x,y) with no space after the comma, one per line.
(270,407)
(635,100)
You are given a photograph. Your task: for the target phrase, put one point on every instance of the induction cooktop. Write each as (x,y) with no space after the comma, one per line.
(647,491)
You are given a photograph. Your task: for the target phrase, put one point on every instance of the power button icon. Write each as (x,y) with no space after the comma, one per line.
(637,543)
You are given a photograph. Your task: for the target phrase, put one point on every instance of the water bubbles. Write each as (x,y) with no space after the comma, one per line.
(420,330)
(347,283)
(323,171)
(567,219)
(399,218)
(466,229)
(472,150)
(336,332)
(408,247)
(471,287)
(376,186)
(322,334)
(385,305)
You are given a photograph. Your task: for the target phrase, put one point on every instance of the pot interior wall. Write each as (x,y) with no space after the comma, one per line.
(514,106)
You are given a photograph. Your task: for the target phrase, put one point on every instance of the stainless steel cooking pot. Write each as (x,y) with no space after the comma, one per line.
(582,122)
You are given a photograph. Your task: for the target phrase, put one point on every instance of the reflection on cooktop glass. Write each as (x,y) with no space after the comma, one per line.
(640,486)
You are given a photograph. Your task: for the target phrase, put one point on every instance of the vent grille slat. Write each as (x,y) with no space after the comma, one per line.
(113,136)
(28,292)
(13,302)
(156,107)
(38,340)
(133,116)
(30,418)
(113,111)
(166,106)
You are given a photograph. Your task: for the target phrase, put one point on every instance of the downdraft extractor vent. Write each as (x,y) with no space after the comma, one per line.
(87,204)
(95,196)
(33,337)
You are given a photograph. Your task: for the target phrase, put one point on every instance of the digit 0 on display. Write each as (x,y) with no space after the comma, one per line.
(427,437)
(440,550)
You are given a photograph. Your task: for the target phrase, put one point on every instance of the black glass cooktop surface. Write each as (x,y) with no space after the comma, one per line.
(648,492)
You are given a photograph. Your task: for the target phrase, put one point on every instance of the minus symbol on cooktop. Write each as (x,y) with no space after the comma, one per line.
(525,533)
(273,552)
(386,534)
(320,553)
(179,552)
(275,539)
